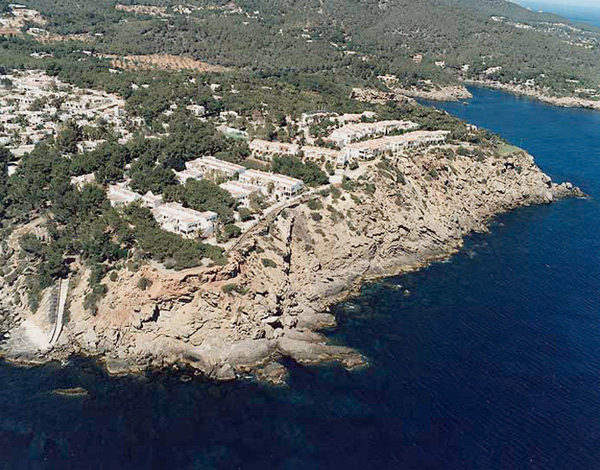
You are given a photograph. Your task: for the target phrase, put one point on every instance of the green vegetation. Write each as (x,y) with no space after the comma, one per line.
(202,195)
(268,263)
(308,172)
(229,288)
(271,43)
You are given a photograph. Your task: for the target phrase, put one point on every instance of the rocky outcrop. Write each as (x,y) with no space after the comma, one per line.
(539,94)
(435,93)
(271,300)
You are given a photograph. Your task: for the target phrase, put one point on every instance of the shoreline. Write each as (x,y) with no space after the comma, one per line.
(284,306)
(561,102)
(261,371)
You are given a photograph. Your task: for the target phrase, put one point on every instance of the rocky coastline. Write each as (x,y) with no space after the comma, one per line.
(436,93)
(540,95)
(272,298)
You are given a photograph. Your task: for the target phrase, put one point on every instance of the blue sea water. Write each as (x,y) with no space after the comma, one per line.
(579,13)
(492,362)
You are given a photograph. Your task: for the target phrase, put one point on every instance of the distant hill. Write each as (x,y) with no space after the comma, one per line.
(356,40)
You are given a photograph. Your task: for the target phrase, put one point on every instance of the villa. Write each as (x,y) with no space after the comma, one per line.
(206,164)
(272,183)
(266,149)
(175,218)
(240,192)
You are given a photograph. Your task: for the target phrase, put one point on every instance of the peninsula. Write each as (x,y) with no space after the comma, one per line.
(204,208)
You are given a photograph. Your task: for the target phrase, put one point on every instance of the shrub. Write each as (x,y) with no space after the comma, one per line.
(308,172)
(462,151)
(347,184)
(91,300)
(269,263)
(144,283)
(316,216)
(113,276)
(228,232)
(245,214)
(229,288)
(369,188)
(335,193)
(314,205)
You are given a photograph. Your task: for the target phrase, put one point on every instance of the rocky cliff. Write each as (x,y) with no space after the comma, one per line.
(271,299)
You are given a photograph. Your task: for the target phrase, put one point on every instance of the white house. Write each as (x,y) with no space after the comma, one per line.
(80,181)
(356,131)
(175,218)
(151,200)
(371,148)
(266,149)
(214,164)
(119,195)
(336,157)
(240,192)
(187,174)
(279,185)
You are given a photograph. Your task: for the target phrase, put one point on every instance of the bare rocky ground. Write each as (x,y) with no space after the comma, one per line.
(398,216)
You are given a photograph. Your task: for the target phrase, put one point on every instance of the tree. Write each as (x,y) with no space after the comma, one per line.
(5,157)
(203,195)
(308,172)
(68,138)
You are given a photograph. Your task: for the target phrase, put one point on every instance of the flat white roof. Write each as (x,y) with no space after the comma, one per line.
(409,137)
(378,125)
(272,145)
(275,177)
(236,188)
(322,150)
(216,164)
(184,214)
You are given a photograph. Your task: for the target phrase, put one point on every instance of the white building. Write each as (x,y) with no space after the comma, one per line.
(151,200)
(356,131)
(80,181)
(240,192)
(336,157)
(232,132)
(197,110)
(273,183)
(371,148)
(187,174)
(119,195)
(266,149)
(175,218)
(89,145)
(214,164)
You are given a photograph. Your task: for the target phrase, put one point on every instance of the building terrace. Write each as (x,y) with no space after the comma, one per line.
(267,149)
(175,218)
(281,185)
(371,148)
(356,131)
(214,164)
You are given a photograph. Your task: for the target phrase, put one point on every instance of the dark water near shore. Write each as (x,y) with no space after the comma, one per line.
(493,362)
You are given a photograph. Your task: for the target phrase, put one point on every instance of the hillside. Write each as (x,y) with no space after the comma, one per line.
(358,40)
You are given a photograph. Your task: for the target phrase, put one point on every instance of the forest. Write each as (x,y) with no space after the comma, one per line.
(355,40)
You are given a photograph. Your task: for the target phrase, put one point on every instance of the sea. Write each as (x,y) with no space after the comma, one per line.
(582,13)
(492,362)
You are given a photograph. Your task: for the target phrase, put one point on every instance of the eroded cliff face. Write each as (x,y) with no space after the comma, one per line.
(271,299)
